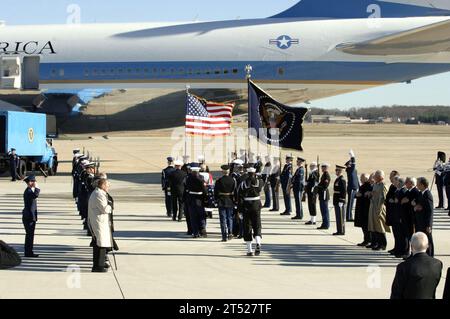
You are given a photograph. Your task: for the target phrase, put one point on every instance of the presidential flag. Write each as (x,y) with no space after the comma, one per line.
(272,122)
(208,118)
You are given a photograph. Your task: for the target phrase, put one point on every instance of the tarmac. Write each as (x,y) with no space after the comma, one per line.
(156,258)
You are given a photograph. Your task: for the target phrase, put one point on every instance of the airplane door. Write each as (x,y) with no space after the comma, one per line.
(30,73)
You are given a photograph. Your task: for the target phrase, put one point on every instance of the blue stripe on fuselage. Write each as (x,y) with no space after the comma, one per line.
(210,71)
(355,9)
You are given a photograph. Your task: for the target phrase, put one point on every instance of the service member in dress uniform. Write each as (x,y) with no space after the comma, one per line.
(196,196)
(274,180)
(439,177)
(14,161)
(286,180)
(352,186)
(250,200)
(237,173)
(265,173)
(324,196)
(423,212)
(340,192)
(298,186)
(224,195)
(166,186)
(311,183)
(30,214)
(177,179)
(87,186)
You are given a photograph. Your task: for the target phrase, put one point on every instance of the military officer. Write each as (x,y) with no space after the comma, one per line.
(439,177)
(274,180)
(352,186)
(30,214)
(224,195)
(324,196)
(311,183)
(265,177)
(165,185)
(14,161)
(196,196)
(298,186)
(75,177)
(87,186)
(176,182)
(249,198)
(286,180)
(340,191)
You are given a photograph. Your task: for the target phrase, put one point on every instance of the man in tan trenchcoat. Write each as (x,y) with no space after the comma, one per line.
(99,212)
(377,213)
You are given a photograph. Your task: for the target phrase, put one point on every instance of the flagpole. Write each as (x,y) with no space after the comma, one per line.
(185,135)
(248,71)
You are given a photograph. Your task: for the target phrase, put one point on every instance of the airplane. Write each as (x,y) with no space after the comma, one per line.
(321,47)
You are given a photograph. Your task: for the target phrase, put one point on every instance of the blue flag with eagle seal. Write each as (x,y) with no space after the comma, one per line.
(272,122)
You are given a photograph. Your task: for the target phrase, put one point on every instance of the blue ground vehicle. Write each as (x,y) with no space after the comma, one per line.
(27,133)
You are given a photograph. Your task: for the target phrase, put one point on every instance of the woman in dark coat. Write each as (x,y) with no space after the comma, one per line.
(9,258)
(362,208)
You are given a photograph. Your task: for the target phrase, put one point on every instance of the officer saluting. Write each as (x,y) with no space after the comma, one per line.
(286,179)
(250,200)
(298,185)
(340,192)
(30,214)
(223,193)
(165,185)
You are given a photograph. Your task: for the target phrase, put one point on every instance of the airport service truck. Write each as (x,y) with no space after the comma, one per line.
(28,133)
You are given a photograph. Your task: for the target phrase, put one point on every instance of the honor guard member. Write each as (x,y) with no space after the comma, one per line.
(14,161)
(286,180)
(352,186)
(439,177)
(30,214)
(86,188)
(311,183)
(166,186)
(446,180)
(238,172)
(259,165)
(176,182)
(196,196)
(75,177)
(298,186)
(265,177)
(340,192)
(249,197)
(324,196)
(238,226)
(224,195)
(274,180)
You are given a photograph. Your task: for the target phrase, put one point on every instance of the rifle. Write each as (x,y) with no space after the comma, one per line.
(306,178)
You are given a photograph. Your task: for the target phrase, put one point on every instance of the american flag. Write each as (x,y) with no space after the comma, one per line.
(208,118)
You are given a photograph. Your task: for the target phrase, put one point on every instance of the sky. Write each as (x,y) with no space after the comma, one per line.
(428,91)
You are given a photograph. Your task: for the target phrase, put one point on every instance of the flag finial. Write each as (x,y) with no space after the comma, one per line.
(248,71)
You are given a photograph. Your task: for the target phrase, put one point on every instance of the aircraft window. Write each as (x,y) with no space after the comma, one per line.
(235,71)
(163,71)
(94,72)
(120,70)
(53,72)
(112,71)
(198,72)
(190,72)
(86,72)
(181,71)
(225,71)
(103,71)
(130,71)
(217,72)
(208,72)
(155,70)
(146,70)
(281,71)
(61,72)
(172,71)
(138,70)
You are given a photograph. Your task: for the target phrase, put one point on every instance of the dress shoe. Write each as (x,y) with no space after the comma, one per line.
(296,218)
(107,266)
(240,237)
(448,213)
(404,257)
(310,223)
(391,252)
(249,254)
(363,244)
(258,250)
(285,214)
(338,234)
(32,256)
(370,246)
(274,210)
(97,269)
(230,237)
(376,248)
(323,228)
(266,206)
(350,221)
(224,240)
(440,207)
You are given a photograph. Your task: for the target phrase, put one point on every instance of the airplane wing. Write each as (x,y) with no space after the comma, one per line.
(433,38)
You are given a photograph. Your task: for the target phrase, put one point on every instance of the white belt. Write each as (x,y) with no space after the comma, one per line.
(196,193)
(251,199)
